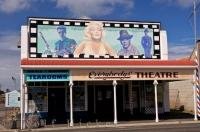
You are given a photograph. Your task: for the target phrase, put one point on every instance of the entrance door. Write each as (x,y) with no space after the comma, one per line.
(104,102)
(56,104)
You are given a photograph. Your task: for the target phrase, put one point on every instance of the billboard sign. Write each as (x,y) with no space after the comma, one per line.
(57,38)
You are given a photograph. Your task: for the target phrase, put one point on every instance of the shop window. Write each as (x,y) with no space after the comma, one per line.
(37,99)
(37,83)
(81,83)
(30,96)
(150,101)
(150,95)
(30,83)
(160,95)
(150,83)
(43,83)
(79,97)
(137,83)
(75,83)
(56,83)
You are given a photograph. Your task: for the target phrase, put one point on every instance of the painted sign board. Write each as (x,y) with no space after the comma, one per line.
(38,77)
(61,38)
(122,74)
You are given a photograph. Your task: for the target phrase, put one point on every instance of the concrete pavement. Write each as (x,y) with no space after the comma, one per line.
(2,129)
(79,126)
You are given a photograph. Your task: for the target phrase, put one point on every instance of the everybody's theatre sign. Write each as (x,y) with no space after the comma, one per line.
(131,75)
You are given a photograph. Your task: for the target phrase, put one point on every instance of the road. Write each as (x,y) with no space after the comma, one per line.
(154,128)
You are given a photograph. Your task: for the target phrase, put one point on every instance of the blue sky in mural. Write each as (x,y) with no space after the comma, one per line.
(174,15)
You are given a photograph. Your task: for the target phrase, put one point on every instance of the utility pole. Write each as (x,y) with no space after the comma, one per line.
(196,94)
(195,23)
(193,15)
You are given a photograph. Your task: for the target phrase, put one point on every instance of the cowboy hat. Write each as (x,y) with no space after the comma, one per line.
(124,35)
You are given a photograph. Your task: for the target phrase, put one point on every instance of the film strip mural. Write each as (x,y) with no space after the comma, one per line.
(60,38)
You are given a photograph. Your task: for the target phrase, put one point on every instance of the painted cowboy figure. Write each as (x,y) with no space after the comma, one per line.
(65,45)
(146,42)
(127,48)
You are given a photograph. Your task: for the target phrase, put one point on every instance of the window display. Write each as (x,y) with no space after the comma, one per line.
(37,99)
(79,97)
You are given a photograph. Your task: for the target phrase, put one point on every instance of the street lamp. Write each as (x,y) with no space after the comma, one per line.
(14,82)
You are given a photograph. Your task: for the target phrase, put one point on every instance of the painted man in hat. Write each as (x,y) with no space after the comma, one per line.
(146,42)
(65,45)
(127,48)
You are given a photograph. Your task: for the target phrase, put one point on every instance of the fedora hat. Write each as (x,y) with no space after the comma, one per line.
(123,34)
(146,30)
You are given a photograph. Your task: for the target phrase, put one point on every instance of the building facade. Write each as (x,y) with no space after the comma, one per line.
(12,99)
(122,76)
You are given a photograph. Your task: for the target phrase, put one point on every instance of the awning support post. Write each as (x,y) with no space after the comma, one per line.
(115,101)
(71,103)
(155,83)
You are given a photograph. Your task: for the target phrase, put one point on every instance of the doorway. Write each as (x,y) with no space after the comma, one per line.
(56,104)
(104,102)
(101,102)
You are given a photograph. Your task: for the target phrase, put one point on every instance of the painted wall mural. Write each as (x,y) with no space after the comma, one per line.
(93,39)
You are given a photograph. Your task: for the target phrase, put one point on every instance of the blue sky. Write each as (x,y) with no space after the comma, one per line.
(173,15)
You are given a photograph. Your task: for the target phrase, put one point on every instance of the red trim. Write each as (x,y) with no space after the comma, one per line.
(114,62)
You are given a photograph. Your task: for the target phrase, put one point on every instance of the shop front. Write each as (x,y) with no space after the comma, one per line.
(72,72)
(100,94)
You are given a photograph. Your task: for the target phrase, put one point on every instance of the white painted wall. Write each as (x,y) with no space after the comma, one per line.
(181,93)
(12,99)
(24,42)
(163,45)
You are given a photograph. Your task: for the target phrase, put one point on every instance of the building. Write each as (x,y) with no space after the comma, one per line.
(68,79)
(12,99)
(181,93)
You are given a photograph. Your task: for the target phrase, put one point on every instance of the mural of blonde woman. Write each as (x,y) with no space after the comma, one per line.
(93,43)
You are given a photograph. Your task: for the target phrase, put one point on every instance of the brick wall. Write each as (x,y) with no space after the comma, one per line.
(181,93)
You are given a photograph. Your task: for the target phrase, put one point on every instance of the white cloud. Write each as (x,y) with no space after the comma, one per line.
(10,59)
(180,51)
(76,7)
(93,7)
(182,3)
(84,17)
(10,66)
(10,6)
(9,40)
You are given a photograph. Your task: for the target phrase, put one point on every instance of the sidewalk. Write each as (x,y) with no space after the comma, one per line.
(2,129)
(79,126)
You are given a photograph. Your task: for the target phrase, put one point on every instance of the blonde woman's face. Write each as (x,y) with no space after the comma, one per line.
(96,32)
